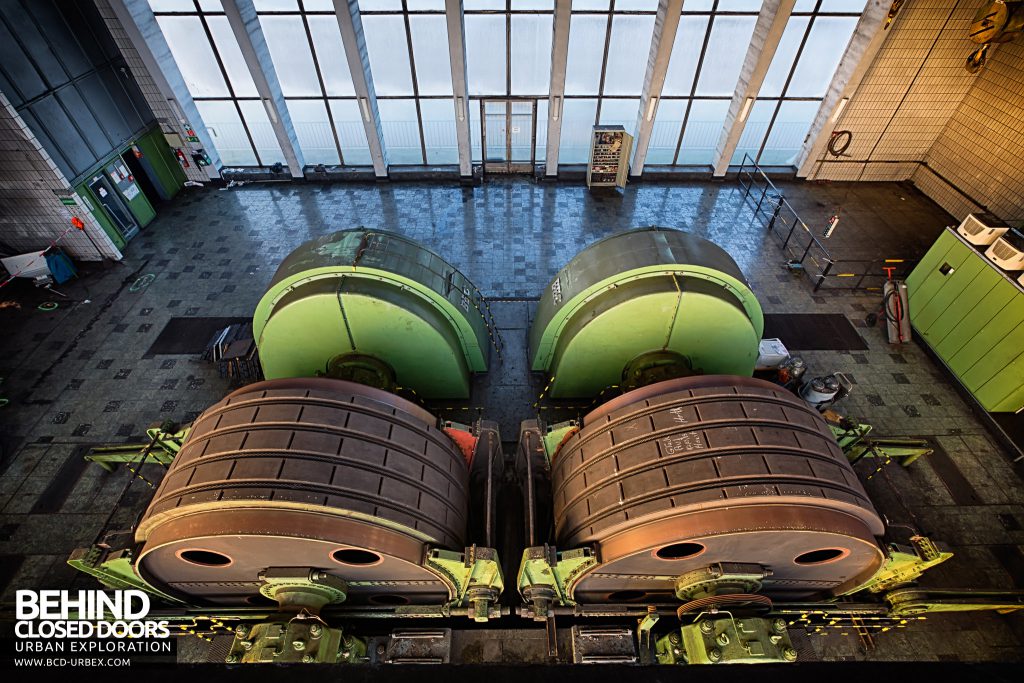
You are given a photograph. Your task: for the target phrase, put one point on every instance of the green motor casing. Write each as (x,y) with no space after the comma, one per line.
(642,292)
(378,294)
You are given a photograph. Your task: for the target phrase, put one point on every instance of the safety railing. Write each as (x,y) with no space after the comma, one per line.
(866,275)
(802,249)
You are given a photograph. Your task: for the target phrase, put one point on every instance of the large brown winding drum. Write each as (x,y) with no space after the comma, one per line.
(683,474)
(315,473)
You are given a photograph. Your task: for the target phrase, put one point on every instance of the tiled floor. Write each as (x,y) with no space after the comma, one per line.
(77,376)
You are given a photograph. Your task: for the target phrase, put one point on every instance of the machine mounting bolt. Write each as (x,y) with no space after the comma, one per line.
(307,659)
(789,654)
(715,655)
(315,630)
(231,659)
(673,638)
(779,625)
(707,626)
(380,650)
(246,644)
(723,639)
(241,630)
(299,644)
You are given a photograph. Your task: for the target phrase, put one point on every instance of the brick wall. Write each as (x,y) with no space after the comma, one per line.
(156,100)
(909,94)
(31,212)
(981,149)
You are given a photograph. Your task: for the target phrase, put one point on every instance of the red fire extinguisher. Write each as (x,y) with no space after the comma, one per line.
(181,158)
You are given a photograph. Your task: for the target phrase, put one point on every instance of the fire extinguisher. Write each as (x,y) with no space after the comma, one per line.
(181,158)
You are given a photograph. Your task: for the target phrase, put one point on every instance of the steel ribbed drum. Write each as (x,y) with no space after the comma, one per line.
(316,473)
(683,474)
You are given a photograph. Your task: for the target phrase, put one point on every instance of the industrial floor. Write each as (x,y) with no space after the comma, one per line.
(77,376)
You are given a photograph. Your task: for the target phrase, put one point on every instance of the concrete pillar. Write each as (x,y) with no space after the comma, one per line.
(556,93)
(867,40)
(245,25)
(771,23)
(352,37)
(140,26)
(666,23)
(460,89)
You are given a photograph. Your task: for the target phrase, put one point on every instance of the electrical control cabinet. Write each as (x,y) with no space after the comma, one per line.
(610,147)
(971,314)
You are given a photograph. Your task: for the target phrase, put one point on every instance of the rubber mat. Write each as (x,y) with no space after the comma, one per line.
(61,484)
(959,488)
(188,336)
(813,331)
(1010,557)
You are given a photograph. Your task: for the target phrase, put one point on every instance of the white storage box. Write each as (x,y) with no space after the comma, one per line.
(771,354)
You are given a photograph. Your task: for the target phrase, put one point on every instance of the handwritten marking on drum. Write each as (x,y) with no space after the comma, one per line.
(681,443)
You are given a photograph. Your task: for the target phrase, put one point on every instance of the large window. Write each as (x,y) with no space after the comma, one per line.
(216,75)
(804,64)
(407,42)
(710,46)
(309,59)
(508,55)
(609,45)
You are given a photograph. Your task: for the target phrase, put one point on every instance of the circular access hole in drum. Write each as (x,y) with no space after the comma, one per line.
(355,557)
(205,558)
(679,551)
(627,596)
(388,600)
(821,556)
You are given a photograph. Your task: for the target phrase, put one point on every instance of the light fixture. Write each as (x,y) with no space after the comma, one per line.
(746,109)
(364,104)
(652,104)
(459,109)
(271,112)
(556,105)
(839,109)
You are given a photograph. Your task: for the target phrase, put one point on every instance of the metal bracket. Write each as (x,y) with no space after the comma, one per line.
(853,439)
(912,601)
(727,640)
(113,569)
(546,576)
(903,565)
(304,638)
(164,443)
(474,575)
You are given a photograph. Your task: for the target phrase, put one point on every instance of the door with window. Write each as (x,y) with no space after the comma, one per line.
(509,135)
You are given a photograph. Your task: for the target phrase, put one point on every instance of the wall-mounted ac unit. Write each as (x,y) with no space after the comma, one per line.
(981,229)
(1007,252)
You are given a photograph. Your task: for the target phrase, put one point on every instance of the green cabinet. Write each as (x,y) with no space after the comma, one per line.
(972,316)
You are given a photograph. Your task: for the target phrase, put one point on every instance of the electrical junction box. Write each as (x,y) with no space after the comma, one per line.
(971,314)
(610,147)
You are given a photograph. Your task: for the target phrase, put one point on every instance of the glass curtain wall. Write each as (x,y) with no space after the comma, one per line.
(707,55)
(609,44)
(508,55)
(216,75)
(804,64)
(309,59)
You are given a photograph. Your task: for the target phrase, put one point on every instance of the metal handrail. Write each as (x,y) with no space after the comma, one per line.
(812,257)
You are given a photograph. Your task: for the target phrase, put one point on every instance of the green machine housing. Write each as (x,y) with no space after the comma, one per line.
(971,314)
(642,306)
(377,308)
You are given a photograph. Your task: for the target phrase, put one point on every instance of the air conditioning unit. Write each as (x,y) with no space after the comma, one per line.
(982,229)
(1007,251)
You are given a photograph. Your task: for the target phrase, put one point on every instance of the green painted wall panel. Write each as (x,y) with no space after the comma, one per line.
(950,288)
(982,342)
(922,291)
(931,260)
(965,328)
(970,298)
(1001,393)
(993,362)
(973,318)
